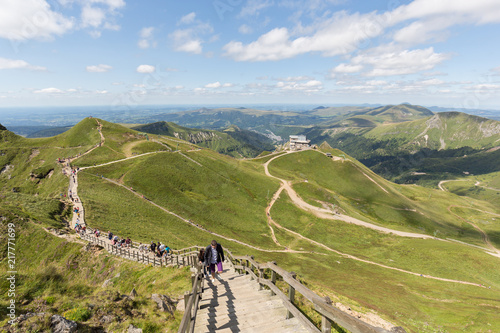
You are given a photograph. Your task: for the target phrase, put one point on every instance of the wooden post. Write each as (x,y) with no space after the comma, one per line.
(143,257)
(261,277)
(326,324)
(183,261)
(177,259)
(273,278)
(291,295)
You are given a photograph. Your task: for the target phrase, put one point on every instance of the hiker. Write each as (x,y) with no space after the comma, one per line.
(128,242)
(201,259)
(153,247)
(161,249)
(110,235)
(214,256)
(115,240)
(97,233)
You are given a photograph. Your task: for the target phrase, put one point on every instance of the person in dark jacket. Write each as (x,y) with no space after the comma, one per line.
(201,259)
(214,256)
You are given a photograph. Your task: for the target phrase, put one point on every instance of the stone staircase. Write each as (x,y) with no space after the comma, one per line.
(236,304)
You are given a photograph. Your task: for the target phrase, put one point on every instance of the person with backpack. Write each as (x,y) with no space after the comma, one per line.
(214,256)
(201,259)
(153,247)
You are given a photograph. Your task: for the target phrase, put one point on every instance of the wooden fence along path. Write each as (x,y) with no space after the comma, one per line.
(247,299)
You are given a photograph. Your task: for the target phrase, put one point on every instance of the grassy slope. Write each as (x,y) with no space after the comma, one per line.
(55,276)
(455,128)
(357,194)
(419,304)
(224,195)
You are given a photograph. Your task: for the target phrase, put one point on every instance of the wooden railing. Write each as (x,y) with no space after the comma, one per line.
(191,301)
(258,272)
(183,257)
(322,305)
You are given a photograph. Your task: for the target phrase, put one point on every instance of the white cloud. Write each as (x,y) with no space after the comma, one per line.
(213,85)
(98,68)
(145,69)
(146,32)
(295,78)
(18,64)
(187,19)
(340,34)
(432,82)
(100,14)
(31,19)
(399,62)
(227,85)
(346,68)
(253,7)
(309,86)
(190,39)
(92,16)
(49,91)
(143,43)
(190,46)
(245,29)
(146,40)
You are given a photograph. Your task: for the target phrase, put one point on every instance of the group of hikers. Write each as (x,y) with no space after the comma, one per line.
(159,249)
(211,259)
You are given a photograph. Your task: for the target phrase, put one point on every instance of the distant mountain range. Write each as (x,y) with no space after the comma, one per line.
(231,141)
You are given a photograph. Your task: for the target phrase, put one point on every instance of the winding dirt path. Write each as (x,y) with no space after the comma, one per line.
(285,185)
(484,235)
(328,214)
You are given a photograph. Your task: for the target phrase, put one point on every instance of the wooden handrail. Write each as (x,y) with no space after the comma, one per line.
(329,313)
(191,303)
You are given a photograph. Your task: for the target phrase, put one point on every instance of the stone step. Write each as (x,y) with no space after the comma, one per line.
(276,326)
(241,308)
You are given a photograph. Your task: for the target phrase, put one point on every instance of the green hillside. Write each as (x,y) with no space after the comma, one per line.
(363,194)
(55,276)
(395,277)
(232,141)
(447,130)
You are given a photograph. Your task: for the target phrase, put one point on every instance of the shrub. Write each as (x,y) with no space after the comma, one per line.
(77,314)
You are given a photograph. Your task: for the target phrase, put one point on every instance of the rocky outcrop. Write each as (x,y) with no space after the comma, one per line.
(165,303)
(133,329)
(60,324)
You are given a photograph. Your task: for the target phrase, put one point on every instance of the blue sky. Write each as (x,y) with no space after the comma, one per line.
(124,52)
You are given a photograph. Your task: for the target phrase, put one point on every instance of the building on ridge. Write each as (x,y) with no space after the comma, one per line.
(299,142)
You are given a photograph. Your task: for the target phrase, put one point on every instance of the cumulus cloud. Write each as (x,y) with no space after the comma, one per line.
(213,85)
(18,64)
(245,29)
(146,32)
(346,68)
(145,69)
(190,39)
(100,14)
(187,19)
(31,19)
(98,68)
(342,33)
(398,62)
(49,91)
(146,40)
(338,35)
(309,86)
(253,7)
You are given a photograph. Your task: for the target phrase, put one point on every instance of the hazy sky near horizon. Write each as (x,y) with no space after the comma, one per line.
(124,52)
